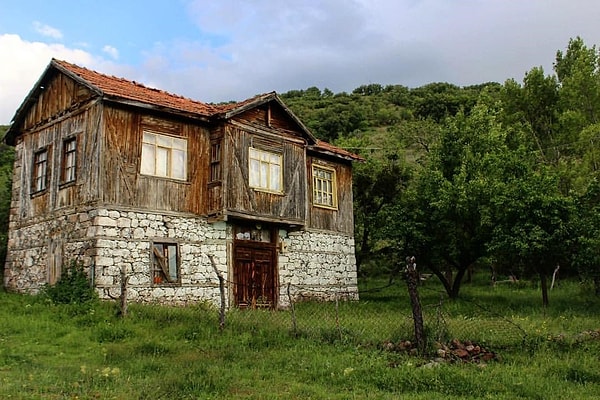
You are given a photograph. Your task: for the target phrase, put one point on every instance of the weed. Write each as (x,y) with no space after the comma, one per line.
(73,287)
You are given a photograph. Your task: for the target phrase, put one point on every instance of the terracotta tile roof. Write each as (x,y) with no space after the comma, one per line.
(328,147)
(128,90)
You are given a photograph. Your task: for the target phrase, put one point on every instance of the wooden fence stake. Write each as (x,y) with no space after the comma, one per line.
(412,280)
(222,291)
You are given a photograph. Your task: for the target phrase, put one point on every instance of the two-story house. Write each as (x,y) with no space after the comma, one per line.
(123,177)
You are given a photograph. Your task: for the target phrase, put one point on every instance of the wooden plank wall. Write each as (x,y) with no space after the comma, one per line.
(122,183)
(342,219)
(59,95)
(63,110)
(289,206)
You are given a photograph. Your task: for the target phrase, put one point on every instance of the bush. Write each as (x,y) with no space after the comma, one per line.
(73,287)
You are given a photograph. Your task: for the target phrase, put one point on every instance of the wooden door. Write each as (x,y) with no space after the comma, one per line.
(255,277)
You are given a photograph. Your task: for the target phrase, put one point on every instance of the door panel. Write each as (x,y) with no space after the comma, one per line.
(255,278)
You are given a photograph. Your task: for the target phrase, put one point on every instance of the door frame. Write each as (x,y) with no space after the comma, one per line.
(252,247)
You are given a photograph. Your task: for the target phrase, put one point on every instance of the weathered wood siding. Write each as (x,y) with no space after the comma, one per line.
(341,219)
(122,182)
(52,119)
(239,198)
(60,94)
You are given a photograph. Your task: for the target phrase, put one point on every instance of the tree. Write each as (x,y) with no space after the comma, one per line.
(586,254)
(531,224)
(7,155)
(377,183)
(448,225)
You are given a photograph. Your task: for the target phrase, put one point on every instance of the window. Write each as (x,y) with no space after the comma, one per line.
(40,171)
(69,161)
(164,156)
(215,162)
(165,263)
(324,187)
(265,170)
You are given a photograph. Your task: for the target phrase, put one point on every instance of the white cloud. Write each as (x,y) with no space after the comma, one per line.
(111,51)
(27,62)
(47,30)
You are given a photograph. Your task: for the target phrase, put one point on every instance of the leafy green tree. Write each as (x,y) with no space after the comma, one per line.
(531,224)
(586,225)
(448,224)
(377,184)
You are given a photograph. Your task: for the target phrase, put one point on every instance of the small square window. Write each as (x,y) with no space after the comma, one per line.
(39,179)
(324,187)
(165,263)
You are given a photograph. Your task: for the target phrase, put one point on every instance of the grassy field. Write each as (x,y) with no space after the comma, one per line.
(52,351)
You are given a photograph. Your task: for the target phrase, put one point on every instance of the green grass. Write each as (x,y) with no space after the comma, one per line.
(72,352)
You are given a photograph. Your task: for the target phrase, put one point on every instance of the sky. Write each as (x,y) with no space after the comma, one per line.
(224,50)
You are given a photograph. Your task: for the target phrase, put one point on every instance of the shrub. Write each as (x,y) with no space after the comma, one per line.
(73,286)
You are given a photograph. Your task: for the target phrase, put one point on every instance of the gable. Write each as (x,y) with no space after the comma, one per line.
(271,116)
(53,95)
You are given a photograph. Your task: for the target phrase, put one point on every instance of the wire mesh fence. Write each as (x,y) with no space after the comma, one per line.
(381,315)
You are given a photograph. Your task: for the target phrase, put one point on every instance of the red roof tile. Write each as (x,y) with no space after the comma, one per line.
(324,146)
(129,90)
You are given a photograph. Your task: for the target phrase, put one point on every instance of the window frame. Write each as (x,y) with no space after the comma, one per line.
(328,191)
(159,252)
(68,172)
(38,178)
(264,182)
(170,166)
(216,173)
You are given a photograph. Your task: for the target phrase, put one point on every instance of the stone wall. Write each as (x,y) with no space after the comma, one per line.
(316,264)
(124,241)
(36,246)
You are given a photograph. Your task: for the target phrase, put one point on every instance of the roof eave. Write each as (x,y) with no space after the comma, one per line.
(154,107)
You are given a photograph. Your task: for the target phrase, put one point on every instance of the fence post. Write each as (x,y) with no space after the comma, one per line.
(294,326)
(123,296)
(221,290)
(412,280)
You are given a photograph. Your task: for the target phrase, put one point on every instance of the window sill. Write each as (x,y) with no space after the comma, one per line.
(39,193)
(268,191)
(65,185)
(332,208)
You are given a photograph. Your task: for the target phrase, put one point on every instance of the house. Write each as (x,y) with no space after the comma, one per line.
(124,177)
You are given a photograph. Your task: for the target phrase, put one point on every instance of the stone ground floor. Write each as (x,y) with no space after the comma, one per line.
(167,258)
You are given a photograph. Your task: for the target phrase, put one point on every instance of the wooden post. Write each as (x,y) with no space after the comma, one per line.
(294,325)
(412,280)
(123,296)
(221,289)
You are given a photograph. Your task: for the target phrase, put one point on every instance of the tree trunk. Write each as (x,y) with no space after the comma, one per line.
(597,285)
(364,248)
(457,281)
(544,281)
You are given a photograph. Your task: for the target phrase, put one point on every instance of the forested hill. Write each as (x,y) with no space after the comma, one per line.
(374,107)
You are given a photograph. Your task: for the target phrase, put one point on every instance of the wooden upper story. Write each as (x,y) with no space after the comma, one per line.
(85,138)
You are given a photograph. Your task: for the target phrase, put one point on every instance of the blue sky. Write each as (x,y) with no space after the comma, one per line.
(225,50)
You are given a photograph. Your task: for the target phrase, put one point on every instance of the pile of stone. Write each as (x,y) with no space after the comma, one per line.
(453,351)
(464,351)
